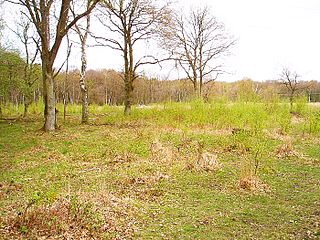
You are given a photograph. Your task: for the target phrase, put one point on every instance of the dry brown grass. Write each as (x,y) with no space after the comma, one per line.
(208,162)
(143,187)
(286,150)
(161,152)
(253,183)
(277,134)
(83,217)
(9,188)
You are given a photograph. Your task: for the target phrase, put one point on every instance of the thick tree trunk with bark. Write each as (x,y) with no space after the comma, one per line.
(40,14)
(128,97)
(50,103)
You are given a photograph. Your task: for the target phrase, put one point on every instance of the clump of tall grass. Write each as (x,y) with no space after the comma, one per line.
(312,124)
(300,106)
(12,110)
(36,108)
(197,113)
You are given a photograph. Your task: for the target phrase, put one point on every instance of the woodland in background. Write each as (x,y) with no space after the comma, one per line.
(105,87)
(196,41)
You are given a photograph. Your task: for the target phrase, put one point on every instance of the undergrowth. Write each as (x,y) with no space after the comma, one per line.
(168,171)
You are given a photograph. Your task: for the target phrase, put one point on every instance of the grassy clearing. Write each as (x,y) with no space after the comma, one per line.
(146,176)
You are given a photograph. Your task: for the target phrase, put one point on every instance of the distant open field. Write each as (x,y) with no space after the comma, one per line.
(173,171)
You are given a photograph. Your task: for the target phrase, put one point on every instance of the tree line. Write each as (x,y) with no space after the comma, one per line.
(105,87)
(195,42)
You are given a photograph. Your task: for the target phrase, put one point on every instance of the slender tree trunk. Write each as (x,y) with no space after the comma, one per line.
(64,95)
(83,87)
(200,71)
(196,88)
(291,101)
(85,106)
(26,106)
(64,107)
(27,101)
(106,96)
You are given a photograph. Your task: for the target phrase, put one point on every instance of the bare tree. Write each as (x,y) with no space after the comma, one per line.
(65,80)
(83,33)
(52,20)
(290,80)
(31,69)
(198,41)
(130,22)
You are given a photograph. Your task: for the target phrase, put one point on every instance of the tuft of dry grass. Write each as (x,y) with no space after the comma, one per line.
(285,150)
(208,162)
(277,134)
(143,187)
(253,183)
(80,217)
(161,152)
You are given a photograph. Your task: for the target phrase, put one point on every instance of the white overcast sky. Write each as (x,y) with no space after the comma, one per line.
(271,34)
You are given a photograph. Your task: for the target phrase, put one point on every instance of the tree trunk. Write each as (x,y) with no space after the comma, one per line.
(83,87)
(106,97)
(128,98)
(291,102)
(200,86)
(85,111)
(127,79)
(25,112)
(64,107)
(49,101)
(196,88)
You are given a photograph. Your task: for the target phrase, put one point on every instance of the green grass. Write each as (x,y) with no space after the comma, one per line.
(105,180)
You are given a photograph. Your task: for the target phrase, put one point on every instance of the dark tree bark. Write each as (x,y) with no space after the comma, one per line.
(41,15)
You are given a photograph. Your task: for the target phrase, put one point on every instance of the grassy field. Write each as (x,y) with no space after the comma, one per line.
(172,171)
